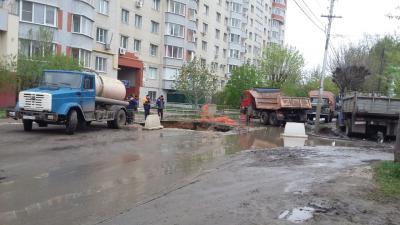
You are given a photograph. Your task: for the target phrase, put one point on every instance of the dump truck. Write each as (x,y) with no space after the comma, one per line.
(328,106)
(72,98)
(273,108)
(370,114)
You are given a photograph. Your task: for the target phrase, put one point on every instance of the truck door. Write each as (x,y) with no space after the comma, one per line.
(88,96)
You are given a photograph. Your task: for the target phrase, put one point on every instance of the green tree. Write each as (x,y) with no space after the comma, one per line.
(30,66)
(280,65)
(242,78)
(196,82)
(313,82)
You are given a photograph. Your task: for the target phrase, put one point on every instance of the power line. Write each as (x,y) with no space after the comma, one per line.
(309,16)
(315,17)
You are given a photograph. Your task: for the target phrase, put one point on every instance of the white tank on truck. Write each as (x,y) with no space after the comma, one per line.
(110,90)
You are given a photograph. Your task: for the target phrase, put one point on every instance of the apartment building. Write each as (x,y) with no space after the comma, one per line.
(145,42)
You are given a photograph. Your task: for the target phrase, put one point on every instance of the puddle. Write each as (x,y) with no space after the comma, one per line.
(297,215)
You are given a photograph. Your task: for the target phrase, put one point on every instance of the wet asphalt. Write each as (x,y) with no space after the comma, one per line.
(48,177)
(92,177)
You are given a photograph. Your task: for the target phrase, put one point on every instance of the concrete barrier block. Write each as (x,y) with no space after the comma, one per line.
(152,123)
(295,130)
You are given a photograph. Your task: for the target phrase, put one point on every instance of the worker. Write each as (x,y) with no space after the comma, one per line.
(160,107)
(146,106)
(132,108)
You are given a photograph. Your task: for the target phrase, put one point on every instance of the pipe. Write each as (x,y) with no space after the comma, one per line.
(111,101)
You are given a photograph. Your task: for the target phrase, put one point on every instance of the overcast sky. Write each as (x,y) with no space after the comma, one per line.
(360,17)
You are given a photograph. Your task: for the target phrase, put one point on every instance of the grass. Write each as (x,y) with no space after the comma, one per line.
(2,113)
(388,178)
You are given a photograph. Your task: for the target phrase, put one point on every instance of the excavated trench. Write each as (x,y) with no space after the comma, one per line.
(197,125)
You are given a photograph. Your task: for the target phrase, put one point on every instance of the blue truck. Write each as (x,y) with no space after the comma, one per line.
(72,99)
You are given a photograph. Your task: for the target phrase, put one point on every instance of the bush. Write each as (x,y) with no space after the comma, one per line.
(388,178)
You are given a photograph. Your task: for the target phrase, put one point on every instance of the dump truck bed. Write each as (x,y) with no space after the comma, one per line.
(370,104)
(272,99)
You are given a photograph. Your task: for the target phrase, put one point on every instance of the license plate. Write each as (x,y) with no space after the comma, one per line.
(28,117)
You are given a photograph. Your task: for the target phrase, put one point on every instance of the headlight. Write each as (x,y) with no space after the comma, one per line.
(12,114)
(50,117)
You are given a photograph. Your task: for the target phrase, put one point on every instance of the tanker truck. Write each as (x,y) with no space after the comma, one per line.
(72,99)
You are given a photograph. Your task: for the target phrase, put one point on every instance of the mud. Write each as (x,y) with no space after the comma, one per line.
(184,176)
(197,125)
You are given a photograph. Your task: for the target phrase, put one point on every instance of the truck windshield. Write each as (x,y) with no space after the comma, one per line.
(60,79)
(315,101)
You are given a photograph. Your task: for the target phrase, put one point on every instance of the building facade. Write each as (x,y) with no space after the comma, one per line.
(145,42)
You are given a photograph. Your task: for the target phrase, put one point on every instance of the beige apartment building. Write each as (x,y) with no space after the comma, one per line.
(145,42)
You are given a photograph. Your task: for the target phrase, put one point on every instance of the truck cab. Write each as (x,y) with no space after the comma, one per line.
(62,97)
(328,105)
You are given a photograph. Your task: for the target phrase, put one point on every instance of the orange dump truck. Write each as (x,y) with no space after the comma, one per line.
(327,108)
(273,108)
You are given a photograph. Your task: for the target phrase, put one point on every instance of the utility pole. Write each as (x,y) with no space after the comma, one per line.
(397,145)
(321,89)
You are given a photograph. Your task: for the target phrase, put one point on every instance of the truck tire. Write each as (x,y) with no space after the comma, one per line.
(119,120)
(27,125)
(72,122)
(273,120)
(264,118)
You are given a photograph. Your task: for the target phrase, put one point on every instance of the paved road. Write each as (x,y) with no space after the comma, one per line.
(48,177)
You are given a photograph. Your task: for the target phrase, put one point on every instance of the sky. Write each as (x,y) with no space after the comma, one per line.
(360,18)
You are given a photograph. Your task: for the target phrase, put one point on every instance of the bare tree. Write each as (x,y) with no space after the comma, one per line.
(350,67)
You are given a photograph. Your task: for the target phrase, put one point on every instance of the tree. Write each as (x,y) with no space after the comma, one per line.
(242,78)
(312,82)
(280,65)
(350,68)
(30,67)
(195,81)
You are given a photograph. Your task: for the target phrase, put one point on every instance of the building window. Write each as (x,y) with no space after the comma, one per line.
(231,68)
(224,53)
(156,5)
(153,50)
(203,62)
(192,14)
(152,73)
(205,28)
(176,7)
(82,25)
(206,10)
(174,29)
(190,35)
(138,21)
(125,16)
(204,45)
(123,42)
(218,17)
(235,22)
(136,45)
(102,6)
(173,52)
(154,27)
(236,7)
(234,54)
(101,35)
(152,95)
(32,49)
(38,13)
(101,64)
(189,55)
(82,56)
(216,51)
(234,38)
(170,73)
(217,33)
(225,37)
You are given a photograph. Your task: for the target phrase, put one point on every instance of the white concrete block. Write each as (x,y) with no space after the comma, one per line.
(152,123)
(295,130)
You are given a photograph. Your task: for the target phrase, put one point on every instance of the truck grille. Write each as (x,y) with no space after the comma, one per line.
(35,101)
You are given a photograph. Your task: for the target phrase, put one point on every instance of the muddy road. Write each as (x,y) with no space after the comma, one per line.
(176,176)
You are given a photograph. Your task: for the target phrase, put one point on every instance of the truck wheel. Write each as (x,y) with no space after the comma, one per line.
(27,125)
(326,119)
(119,120)
(273,120)
(72,122)
(264,118)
